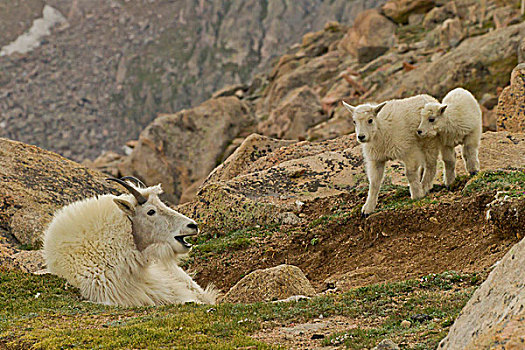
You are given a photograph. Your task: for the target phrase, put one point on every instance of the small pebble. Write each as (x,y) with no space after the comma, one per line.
(406,324)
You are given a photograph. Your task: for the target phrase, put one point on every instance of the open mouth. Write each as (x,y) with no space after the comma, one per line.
(181,239)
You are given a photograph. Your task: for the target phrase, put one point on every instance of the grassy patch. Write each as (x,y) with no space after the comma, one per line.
(43,312)
(512,182)
(235,240)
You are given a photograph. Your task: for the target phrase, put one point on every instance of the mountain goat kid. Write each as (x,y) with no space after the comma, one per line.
(456,121)
(123,250)
(387,131)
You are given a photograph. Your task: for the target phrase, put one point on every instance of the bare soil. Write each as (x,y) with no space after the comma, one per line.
(449,232)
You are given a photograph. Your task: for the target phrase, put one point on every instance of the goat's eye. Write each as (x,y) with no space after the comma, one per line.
(151,212)
(353,121)
(431,120)
(370,121)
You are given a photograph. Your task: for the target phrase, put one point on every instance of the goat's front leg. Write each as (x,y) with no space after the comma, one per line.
(449,158)
(430,169)
(375,171)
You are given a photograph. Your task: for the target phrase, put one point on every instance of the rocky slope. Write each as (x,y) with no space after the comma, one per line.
(104,75)
(444,45)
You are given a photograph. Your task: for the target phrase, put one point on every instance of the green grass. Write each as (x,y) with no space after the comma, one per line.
(42,312)
(512,182)
(207,243)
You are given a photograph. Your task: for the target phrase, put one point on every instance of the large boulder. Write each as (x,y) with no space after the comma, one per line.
(252,148)
(371,33)
(266,181)
(300,110)
(35,183)
(275,283)
(180,150)
(316,72)
(400,10)
(495,314)
(511,104)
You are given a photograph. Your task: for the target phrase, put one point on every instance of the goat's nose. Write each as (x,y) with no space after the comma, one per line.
(419,132)
(193,226)
(361,137)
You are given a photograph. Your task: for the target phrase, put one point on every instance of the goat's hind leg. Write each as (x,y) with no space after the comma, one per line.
(469,153)
(414,178)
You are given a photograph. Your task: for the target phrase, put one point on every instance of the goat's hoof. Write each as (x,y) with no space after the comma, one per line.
(364,215)
(472,173)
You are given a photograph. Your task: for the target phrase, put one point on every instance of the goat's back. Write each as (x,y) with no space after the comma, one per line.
(87,239)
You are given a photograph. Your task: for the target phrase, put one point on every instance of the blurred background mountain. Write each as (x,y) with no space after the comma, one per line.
(102,76)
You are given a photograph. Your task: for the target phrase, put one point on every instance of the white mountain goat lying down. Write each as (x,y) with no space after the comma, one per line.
(123,250)
(387,131)
(456,121)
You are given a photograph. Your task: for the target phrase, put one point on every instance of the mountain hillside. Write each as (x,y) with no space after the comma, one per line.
(104,75)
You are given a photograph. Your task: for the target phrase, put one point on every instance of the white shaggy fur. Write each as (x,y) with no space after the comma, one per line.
(118,254)
(456,121)
(388,132)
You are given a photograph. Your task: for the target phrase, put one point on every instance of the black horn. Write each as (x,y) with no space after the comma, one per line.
(134,179)
(138,196)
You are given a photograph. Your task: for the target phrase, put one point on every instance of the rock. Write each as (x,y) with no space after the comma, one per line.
(107,163)
(243,193)
(155,57)
(366,54)
(400,10)
(386,344)
(489,119)
(300,110)
(521,51)
(371,35)
(340,124)
(30,260)
(179,150)
(485,58)
(488,100)
(274,283)
(230,90)
(415,19)
(35,183)
(503,15)
(451,32)
(495,312)
(253,147)
(316,72)
(406,324)
(438,15)
(511,104)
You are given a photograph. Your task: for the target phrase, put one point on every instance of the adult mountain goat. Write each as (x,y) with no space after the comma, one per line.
(123,250)
(387,131)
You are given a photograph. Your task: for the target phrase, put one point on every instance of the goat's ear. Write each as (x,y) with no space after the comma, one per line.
(442,109)
(379,107)
(125,206)
(351,109)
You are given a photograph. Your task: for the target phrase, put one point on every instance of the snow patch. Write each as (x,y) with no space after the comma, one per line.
(41,27)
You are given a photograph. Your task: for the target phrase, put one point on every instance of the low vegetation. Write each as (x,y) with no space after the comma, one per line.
(44,312)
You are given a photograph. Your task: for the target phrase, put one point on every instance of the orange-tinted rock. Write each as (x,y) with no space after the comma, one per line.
(511,103)
(371,35)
